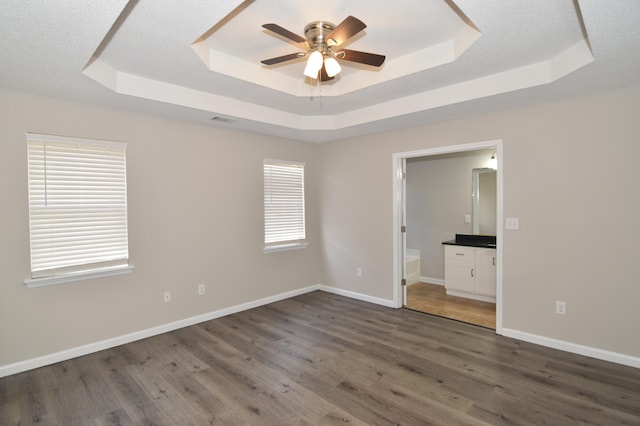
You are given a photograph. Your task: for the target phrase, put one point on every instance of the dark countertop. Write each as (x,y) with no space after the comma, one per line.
(482,241)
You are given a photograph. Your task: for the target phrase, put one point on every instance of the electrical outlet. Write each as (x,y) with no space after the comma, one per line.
(359,272)
(167,296)
(561,307)
(467,218)
(512,223)
(200,289)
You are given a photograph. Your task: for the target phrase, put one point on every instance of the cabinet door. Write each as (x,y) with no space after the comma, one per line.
(485,272)
(459,276)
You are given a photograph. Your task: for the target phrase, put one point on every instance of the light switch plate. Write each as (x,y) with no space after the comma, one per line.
(512,223)
(467,218)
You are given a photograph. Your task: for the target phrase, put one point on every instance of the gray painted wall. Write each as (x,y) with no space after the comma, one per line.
(195,206)
(195,203)
(570,174)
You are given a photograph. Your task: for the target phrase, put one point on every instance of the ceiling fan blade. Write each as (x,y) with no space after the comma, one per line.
(324,76)
(283,58)
(345,30)
(361,57)
(285,33)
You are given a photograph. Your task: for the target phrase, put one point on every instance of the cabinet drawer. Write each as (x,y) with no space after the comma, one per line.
(459,253)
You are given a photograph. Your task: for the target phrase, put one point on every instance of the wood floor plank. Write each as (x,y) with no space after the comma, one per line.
(283,394)
(133,399)
(433,299)
(320,358)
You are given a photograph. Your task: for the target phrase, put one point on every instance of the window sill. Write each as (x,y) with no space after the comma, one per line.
(77,276)
(285,247)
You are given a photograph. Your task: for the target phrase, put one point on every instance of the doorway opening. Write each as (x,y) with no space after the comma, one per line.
(439,223)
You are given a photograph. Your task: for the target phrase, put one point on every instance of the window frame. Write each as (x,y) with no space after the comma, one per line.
(84,178)
(293,177)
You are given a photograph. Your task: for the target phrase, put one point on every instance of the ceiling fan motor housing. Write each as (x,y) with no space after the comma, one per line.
(316,32)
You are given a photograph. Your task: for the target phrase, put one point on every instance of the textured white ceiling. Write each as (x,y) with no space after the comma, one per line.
(140,55)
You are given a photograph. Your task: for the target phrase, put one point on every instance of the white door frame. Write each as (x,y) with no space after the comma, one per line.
(399,204)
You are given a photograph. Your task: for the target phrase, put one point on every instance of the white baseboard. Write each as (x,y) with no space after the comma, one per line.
(358,296)
(429,280)
(604,355)
(472,296)
(19,367)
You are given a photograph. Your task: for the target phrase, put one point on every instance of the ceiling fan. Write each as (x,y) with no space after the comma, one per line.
(323,40)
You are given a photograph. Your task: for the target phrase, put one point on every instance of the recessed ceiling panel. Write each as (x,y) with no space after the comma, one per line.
(413,35)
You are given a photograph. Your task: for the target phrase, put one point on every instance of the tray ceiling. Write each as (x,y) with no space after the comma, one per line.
(196,60)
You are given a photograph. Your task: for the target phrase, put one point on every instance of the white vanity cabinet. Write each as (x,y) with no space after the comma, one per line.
(459,262)
(485,272)
(470,272)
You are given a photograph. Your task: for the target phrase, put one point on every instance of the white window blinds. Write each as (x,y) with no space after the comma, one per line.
(283,202)
(77,204)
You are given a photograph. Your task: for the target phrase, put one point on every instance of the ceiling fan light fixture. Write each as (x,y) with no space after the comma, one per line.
(332,66)
(321,37)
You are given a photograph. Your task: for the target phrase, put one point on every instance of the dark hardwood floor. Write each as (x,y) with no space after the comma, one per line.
(325,359)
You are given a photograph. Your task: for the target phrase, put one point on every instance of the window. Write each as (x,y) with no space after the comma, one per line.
(77,208)
(284,226)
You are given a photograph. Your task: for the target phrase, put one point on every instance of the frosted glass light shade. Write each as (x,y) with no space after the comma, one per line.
(332,67)
(314,63)
(310,72)
(315,60)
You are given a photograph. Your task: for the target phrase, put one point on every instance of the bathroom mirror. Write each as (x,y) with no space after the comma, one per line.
(484,201)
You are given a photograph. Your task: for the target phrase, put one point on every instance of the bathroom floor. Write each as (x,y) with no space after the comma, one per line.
(432,299)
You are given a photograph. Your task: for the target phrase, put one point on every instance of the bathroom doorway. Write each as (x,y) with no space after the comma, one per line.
(434,193)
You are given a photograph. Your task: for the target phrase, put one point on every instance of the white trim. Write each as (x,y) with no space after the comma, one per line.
(396,159)
(78,276)
(429,280)
(531,75)
(73,140)
(29,364)
(472,296)
(275,162)
(575,348)
(21,366)
(358,296)
(398,244)
(284,247)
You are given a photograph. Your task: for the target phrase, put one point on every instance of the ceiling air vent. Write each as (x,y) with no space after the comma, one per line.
(223,120)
